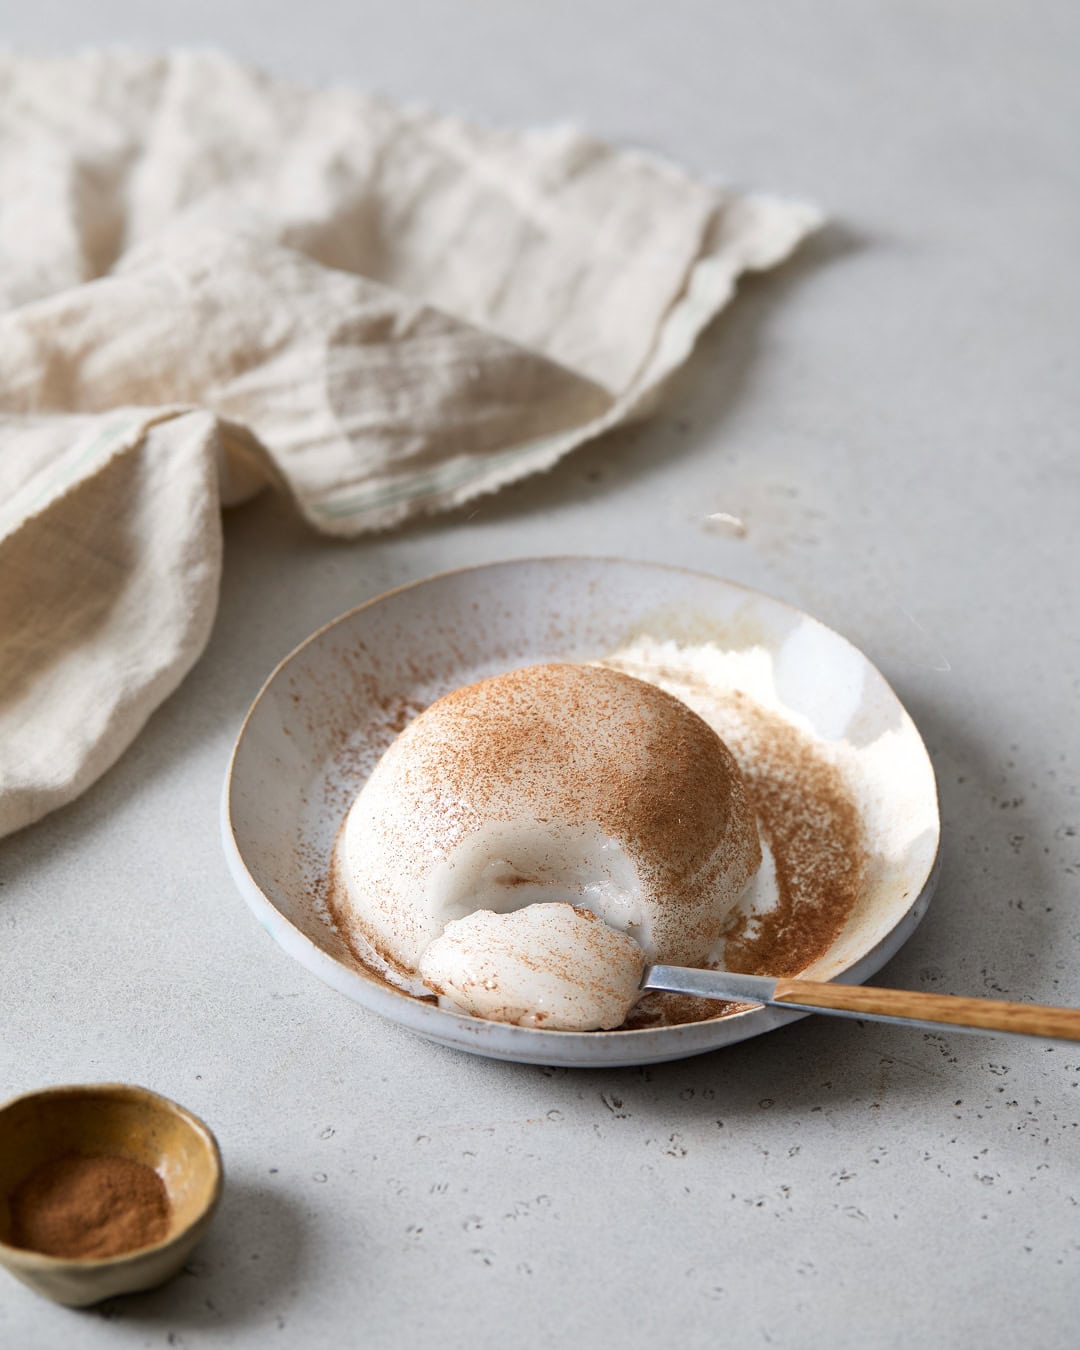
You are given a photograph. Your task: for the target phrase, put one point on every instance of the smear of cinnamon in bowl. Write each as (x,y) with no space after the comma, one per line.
(808,816)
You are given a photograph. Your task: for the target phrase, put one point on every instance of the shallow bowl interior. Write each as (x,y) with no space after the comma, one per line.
(331,708)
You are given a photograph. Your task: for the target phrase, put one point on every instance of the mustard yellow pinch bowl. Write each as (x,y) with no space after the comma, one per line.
(117,1120)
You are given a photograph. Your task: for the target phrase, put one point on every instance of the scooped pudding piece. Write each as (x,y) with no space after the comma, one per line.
(552,783)
(547,965)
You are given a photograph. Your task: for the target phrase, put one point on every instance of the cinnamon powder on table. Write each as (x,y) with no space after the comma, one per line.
(89,1207)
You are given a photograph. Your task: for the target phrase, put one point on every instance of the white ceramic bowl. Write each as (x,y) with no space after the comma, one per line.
(333,705)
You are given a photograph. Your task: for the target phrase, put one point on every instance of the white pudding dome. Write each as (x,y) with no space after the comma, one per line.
(551,783)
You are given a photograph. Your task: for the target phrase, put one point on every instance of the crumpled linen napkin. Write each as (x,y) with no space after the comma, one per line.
(211,279)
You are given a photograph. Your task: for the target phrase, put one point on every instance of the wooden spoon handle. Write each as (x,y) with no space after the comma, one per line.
(1026,1019)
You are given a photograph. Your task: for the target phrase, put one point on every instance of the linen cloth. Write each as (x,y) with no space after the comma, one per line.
(212,279)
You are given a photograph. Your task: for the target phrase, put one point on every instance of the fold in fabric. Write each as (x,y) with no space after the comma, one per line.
(211,279)
(107,594)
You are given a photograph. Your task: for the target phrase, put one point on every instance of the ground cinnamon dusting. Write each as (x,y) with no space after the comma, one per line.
(636,761)
(807,815)
(568,746)
(804,808)
(658,1008)
(93,1207)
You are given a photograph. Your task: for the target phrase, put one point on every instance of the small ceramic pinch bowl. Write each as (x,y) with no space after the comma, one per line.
(117,1120)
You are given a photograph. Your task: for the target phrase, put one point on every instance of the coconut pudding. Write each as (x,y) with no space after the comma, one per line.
(530,841)
(550,965)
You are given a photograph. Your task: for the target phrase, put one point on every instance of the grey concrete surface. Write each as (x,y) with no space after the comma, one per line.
(894,416)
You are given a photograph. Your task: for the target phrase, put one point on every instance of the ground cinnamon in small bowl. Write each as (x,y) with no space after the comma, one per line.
(89,1207)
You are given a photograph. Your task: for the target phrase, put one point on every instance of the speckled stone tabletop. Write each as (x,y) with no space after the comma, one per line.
(894,418)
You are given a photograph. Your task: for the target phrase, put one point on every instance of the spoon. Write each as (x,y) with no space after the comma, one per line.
(902,1006)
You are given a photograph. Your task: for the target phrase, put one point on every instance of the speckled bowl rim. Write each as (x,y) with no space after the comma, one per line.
(31,1259)
(592,1049)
